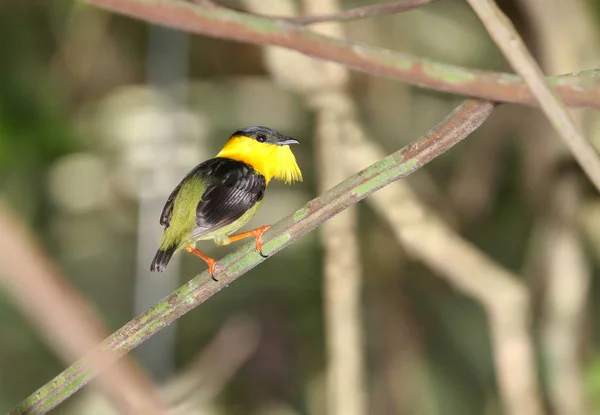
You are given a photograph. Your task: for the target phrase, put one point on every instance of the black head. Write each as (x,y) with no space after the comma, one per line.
(265,135)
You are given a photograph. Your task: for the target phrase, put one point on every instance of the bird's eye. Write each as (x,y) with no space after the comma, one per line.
(261,138)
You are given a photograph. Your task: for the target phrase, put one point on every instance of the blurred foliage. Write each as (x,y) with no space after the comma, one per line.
(71,159)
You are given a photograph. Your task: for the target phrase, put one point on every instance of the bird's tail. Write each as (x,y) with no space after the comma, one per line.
(162,258)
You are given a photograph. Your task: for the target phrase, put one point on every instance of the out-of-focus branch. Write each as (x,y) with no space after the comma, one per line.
(342,279)
(501,293)
(474,184)
(66,320)
(564,269)
(567,283)
(208,373)
(356,13)
(424,235)
(581,89)
(317,82)
(515,51)
(464,120)
(193,391)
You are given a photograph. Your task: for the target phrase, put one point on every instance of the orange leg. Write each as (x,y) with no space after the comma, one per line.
(256,233)
(209,261)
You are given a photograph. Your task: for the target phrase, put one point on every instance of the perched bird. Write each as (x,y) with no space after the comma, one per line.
(221,195)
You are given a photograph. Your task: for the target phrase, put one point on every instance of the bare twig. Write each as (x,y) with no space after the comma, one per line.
(358,12)
(515,51)
(209,4)
(66,320)
(464,120)
(581,89)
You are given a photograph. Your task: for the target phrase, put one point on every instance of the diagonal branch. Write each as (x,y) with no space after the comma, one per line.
(356,13)
(359,12)
(458,125)
(582,89)
(508,40)
(65,319)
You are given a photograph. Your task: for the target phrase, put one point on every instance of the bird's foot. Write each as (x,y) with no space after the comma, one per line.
(257,234)
(209,261)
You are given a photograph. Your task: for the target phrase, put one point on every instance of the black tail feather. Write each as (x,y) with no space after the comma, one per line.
(162,258)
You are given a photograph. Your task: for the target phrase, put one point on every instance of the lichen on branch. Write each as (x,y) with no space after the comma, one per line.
(458,125)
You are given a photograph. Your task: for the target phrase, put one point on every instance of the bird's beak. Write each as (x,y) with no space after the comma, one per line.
(284,141)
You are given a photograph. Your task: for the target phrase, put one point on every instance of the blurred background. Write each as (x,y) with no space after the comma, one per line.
(101,116)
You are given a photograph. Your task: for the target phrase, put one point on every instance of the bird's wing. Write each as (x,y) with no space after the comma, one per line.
(227,200)
(167,212)
(200,170)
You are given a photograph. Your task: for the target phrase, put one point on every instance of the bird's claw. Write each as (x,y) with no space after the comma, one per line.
(258,236)
(209,261)
(211,270)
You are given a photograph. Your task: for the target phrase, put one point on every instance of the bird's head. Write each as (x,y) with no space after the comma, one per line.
(265,149)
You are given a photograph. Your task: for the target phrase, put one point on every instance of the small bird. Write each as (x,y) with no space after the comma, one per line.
(220,195)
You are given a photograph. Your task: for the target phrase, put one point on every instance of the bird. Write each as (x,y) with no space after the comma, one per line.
(220,195)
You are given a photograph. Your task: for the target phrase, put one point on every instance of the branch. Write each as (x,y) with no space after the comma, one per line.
(559,249)
(66,320)
(564,313)
(582,89)
(357,13)
(502,294)
(508,40)
(345,384)
(464,120)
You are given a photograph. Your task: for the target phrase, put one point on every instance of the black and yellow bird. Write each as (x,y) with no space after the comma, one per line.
(221,195)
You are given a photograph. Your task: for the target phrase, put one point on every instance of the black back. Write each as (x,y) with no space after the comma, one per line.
(231,188)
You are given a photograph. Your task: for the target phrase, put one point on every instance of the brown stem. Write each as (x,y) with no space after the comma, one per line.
(65,319)
(582,89)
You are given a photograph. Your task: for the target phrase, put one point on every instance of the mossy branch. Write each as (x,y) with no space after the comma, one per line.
(458,125)
(582,89)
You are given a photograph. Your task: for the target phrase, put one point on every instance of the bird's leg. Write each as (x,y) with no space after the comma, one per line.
(256,233)
(209,261)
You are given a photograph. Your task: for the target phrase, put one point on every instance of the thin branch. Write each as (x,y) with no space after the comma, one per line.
(66,320)
(508,40)
(209,4)
(357,13)
(464,120)
(582,89)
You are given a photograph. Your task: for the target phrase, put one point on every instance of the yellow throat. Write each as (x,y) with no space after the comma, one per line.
(270,160)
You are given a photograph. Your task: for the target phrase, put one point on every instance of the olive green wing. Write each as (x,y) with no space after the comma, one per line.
(198,173)
(167,212)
